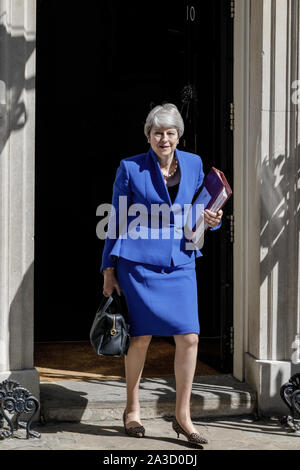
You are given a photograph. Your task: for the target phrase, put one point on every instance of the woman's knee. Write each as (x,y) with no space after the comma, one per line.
(187,340)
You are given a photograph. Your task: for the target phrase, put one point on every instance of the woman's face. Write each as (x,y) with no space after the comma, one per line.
(163,141)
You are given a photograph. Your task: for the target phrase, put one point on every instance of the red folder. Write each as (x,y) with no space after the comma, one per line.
(213,194)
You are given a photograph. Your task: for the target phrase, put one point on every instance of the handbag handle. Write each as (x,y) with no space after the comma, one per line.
(115,296)
(107,303)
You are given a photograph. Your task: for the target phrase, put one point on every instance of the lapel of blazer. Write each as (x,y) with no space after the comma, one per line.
(161,186)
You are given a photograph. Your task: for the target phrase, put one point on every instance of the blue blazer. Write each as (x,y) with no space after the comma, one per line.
(140,179)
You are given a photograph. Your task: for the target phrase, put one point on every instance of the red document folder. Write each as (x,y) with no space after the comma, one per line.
(213,194)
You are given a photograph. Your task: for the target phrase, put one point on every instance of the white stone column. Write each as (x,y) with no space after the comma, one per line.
(272,170)
(17,143)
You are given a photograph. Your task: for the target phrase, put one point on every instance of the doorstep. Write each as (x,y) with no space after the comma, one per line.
(100,400)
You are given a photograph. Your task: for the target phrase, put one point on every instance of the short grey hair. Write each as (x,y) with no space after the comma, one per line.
(166,115)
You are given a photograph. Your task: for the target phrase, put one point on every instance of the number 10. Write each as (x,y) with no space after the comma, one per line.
(190,13)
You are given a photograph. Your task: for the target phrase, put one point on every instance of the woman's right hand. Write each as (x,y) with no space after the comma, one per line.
(110,283)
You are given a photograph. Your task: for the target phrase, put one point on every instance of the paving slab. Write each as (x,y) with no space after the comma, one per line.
(235,433)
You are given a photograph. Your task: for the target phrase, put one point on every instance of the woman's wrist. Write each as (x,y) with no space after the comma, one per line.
(109,269)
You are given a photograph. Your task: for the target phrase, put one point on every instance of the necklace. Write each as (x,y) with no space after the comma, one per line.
(168,175)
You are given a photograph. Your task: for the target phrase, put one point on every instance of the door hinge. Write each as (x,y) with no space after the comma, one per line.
(231,117)
(231,227)
(232,8)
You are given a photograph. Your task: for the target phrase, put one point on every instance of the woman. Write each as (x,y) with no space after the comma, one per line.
(157,273)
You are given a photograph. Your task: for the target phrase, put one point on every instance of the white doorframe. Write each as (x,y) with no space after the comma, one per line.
(240,194)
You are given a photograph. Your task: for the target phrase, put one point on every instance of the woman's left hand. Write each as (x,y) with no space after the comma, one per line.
(212,219)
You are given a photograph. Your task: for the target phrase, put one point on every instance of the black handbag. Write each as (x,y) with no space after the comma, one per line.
(109,334)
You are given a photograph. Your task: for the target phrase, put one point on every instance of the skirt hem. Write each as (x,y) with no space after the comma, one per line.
(161,334)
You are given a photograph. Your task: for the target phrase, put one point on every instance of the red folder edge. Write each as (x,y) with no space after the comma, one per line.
(225,185)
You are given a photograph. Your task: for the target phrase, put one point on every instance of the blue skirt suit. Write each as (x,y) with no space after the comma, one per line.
(157,277)
(162,301)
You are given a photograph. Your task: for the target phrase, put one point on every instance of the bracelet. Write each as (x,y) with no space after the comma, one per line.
(108,269)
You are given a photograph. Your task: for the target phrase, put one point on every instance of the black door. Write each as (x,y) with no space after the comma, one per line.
(207,106)
(99,72)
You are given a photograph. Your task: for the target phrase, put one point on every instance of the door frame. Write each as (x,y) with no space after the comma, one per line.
(241,184)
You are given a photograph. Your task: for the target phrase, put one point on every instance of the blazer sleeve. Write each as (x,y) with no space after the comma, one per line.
(121,187)
(199,183)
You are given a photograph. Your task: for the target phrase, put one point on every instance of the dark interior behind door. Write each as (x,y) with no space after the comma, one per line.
(99,71)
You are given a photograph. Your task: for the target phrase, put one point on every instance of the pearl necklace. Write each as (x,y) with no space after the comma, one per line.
(167,176)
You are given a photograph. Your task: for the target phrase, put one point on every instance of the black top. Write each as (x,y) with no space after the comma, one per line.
(173,191)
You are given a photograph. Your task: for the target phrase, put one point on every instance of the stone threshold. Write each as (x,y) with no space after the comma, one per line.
(96,400)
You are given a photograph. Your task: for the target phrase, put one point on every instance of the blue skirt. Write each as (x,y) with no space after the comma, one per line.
(162,301)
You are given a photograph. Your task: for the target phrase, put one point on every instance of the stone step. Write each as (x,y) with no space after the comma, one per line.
(99,400)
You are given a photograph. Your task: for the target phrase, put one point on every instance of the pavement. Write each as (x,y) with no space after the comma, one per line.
(87,415)
(235,433)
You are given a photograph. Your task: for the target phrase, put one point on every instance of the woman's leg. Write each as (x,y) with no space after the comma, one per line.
(134,364)
(184,367)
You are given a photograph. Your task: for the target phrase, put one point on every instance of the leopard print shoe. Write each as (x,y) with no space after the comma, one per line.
(136,431)
(193,438)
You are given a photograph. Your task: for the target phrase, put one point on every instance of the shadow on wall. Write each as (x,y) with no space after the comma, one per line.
(13,113)
(279,238)
(21,324)
(15,52)
(20,357)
